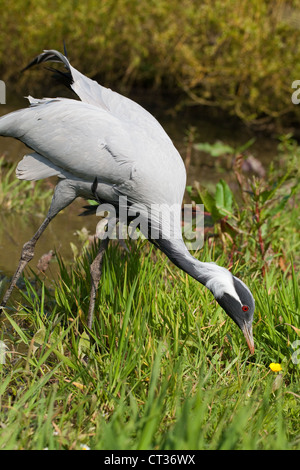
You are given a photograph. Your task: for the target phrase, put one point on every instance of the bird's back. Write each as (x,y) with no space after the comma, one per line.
(88,141)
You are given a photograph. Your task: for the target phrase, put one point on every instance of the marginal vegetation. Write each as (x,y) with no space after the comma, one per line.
(239,56)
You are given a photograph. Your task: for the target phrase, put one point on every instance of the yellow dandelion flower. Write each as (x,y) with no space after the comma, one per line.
(275,367)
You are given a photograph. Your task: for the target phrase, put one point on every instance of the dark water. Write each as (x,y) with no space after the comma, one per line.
(15,229)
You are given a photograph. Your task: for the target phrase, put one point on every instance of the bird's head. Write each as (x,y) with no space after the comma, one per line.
(237,301)
(230,292)
(240,308)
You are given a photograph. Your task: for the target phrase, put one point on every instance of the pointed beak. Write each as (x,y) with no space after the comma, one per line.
(247,330)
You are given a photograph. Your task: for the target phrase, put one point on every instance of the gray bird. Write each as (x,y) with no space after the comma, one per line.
(108,148)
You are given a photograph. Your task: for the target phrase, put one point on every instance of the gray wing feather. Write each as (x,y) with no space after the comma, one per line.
(34,167)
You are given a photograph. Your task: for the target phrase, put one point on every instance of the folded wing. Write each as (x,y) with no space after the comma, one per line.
(71,136)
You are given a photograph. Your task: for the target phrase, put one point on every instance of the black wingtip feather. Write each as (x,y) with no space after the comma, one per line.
(54,56)
(62,77)
(49,56)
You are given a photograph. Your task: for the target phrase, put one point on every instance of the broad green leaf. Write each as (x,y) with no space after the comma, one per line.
(224,198)
(215,150)
(189,190)
(209,203)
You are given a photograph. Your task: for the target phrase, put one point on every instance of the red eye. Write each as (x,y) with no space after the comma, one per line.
(245,308)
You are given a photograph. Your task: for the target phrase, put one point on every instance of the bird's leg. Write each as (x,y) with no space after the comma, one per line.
(96,266)
(96,271)
(26,255)
(63,195)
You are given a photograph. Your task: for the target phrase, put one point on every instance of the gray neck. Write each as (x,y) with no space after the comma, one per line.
(216,278)
(178,253)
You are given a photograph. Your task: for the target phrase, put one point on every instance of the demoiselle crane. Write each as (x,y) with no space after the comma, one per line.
(107,147)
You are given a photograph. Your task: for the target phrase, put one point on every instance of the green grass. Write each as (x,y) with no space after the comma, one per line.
(21,196)
(162,369)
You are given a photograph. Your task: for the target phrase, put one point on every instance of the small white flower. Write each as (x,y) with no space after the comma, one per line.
(84,447)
